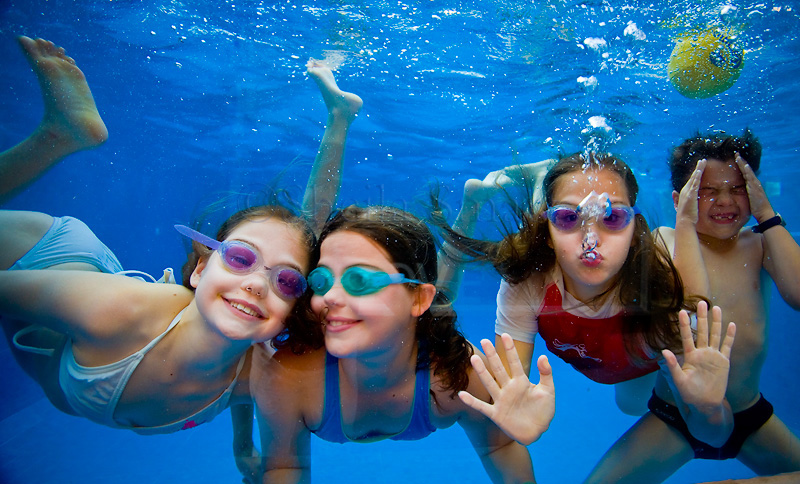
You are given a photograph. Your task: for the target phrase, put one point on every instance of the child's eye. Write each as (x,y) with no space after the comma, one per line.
(707,192)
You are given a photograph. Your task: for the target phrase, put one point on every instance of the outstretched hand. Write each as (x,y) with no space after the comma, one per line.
(759,203)
(520,408)
(703,378)
(687,201)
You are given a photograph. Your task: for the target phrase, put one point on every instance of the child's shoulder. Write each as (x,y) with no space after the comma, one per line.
(310,360)
(284,377)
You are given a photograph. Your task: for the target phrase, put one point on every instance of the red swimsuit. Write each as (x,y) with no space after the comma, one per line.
(594,347)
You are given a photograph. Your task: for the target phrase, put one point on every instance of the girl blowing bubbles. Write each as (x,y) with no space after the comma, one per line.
(584,273)
(393,360)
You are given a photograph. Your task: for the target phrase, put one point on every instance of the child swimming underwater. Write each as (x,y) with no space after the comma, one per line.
(393,359)
(72,343)
(584,273)
(716,190)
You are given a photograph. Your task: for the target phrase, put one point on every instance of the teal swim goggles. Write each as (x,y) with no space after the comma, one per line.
(357,281)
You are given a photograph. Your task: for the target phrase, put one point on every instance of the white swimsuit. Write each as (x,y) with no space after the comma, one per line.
(94,392)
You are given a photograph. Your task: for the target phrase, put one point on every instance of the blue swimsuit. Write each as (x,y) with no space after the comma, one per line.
(331,427)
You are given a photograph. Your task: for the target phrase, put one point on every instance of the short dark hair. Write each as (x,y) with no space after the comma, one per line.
(720,146)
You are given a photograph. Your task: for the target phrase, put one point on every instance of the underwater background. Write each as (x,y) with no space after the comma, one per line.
(206,98)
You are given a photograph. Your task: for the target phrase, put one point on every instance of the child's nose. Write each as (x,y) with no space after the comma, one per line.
(724,197)
(256,283)
(335,295)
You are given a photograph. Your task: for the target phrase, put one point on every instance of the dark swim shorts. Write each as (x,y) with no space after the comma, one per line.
(745,423)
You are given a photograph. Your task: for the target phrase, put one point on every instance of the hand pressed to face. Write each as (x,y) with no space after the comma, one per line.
(759,203)
(703,378)
(687,201)
(521,409)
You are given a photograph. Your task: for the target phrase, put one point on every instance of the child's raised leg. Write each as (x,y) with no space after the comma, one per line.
(71,121)
(476,194)
(325,179)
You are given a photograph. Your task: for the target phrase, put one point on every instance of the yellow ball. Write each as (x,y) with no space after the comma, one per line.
(704,64)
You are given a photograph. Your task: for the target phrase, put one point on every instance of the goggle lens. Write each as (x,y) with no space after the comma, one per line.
(563,218)
(320,280)
(238,257)
(289,282)
(566,218)
(619,219)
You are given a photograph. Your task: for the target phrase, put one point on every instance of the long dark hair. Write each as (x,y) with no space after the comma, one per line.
(412,250)
(300,332)
(650,288)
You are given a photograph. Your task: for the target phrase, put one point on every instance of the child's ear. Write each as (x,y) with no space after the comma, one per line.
(675,197)
(424,298)
(194,279)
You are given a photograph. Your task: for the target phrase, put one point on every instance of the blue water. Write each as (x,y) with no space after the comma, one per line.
(208,97)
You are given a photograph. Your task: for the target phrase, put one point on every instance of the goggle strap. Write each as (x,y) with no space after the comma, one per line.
(198,237)
(399,278)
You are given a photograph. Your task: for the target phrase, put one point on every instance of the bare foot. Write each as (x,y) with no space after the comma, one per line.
(479,191)
(70,114)
(341,105)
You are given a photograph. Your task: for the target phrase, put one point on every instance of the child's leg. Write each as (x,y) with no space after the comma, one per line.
(23,230)
(325,179)
(772,449)
(632,395)
(648,452)
(476,194)
(71,122)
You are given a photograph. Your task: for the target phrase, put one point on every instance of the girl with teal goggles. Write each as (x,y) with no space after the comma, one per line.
(357,281)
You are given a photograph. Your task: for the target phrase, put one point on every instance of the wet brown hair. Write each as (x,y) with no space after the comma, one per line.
(650,288)
(300,332)
(412,250)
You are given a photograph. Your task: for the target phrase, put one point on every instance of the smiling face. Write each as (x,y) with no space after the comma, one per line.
(360,326)
(586,277)
(723,207)
(244,307)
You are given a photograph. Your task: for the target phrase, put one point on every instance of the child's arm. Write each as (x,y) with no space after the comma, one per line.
(285,439)
(504,459)
(248,460)
(520,408)
(325,179)
(701,382)
(781,252)
(89,307)
(686,254)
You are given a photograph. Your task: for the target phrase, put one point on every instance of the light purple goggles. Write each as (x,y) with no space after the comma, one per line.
(242,258)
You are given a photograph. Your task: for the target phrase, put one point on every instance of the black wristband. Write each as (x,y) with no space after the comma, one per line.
(769,223)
